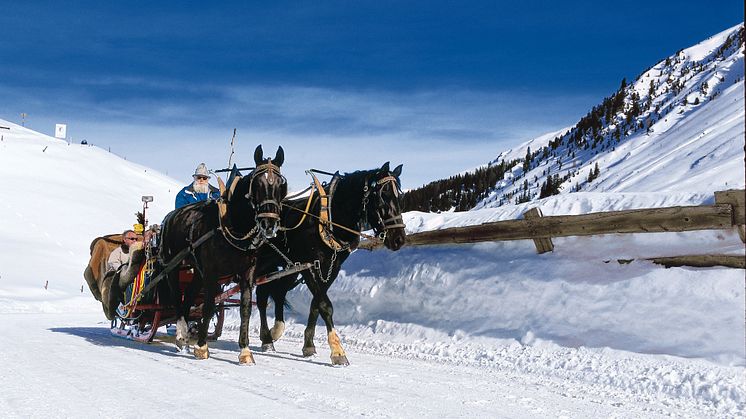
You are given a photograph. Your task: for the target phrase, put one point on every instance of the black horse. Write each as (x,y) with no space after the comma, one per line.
(359,201)
(223,238)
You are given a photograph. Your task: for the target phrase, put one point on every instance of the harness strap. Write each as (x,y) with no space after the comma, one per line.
(303,218)
(398,222)
(176,260)
(325,217)
(349,230)
(386,179)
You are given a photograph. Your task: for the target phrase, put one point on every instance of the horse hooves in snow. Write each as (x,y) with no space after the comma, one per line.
(201,352)
(340,360)
(245,357)
(309,351)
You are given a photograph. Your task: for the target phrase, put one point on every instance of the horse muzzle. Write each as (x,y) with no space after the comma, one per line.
(395,238)
(268,223)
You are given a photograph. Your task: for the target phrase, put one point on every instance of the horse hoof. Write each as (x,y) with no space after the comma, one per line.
(340,360)
(277,330)
(181,345)
(268,347)
(309,351)
(201,352)
(245,357)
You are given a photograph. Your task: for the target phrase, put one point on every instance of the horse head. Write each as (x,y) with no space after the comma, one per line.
(267,189)
(382,206)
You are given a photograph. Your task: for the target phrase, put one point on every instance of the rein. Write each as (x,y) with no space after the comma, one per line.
(349,230)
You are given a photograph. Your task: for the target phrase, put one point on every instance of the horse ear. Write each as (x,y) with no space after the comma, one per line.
(258,155)
(397,170)
(279,157)
(385,167)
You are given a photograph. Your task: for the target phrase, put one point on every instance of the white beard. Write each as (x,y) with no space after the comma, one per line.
(204,188)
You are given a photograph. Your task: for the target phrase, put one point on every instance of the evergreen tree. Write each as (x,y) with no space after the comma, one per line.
(527,160)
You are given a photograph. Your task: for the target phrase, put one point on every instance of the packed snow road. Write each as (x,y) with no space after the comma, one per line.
(69,365)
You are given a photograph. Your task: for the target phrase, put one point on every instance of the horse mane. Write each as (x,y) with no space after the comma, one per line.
(353,183)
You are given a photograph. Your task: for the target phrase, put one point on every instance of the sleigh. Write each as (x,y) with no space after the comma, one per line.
(144,311)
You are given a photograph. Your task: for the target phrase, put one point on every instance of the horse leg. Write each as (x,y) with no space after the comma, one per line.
(245,357)
(309,349)
(279,327)
(184,307)
(326,310)
(262,296)
(208,310)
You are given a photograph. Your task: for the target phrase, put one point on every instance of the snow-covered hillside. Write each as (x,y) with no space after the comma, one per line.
(60,196)
(683,117)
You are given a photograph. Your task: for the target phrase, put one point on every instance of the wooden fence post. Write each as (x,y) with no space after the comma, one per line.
(543,244)
(737,199)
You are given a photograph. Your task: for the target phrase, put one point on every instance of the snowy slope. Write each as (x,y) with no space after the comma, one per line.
(62,196)
(683,117)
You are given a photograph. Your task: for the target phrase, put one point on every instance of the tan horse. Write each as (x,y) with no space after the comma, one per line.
(95,273)
(101,248)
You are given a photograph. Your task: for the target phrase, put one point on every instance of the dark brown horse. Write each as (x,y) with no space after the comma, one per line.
(360,200)
(223,242)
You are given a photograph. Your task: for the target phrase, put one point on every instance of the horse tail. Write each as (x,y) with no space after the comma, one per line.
(90,279)
(286,304)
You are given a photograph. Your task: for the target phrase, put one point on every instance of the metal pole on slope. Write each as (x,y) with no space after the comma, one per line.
(230,158)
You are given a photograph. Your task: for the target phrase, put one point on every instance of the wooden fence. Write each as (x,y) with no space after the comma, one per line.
(728,212)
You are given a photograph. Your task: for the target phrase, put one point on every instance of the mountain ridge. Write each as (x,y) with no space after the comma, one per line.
(687,109)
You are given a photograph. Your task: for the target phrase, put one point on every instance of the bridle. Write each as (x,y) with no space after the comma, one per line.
(272,174)
(382,225)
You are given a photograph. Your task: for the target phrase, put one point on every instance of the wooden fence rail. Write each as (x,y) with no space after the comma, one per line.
(728,211)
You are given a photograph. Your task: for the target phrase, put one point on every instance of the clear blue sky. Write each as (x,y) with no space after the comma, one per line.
(441,86)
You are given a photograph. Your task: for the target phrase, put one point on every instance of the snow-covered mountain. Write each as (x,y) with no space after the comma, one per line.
(684,116)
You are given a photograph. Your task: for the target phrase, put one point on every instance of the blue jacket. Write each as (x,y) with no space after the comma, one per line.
(189,196)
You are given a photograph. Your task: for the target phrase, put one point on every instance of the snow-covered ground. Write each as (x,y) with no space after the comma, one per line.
(70,366)
(481,330)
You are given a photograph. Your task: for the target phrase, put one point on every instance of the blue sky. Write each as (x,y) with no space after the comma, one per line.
(440,86)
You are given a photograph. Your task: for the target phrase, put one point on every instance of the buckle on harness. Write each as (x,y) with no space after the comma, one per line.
(317,265)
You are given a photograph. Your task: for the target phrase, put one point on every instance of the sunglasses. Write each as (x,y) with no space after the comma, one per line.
(202,177)
(130,238)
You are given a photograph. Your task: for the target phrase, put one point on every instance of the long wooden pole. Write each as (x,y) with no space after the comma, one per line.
(670,219)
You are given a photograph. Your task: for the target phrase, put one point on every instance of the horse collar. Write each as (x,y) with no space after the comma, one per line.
(325,214)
